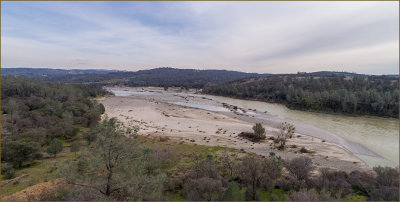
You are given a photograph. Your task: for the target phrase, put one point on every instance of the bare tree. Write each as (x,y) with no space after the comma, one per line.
(300,167)
(286,131)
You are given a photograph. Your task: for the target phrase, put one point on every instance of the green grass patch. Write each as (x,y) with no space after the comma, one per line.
(277,195)
(37,172)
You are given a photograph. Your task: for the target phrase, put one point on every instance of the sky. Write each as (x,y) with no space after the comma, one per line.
(262,37)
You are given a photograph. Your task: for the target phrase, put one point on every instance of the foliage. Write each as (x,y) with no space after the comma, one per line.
(256,172)
(18,152)
(41,111)
(300,167)
(116,166)
(90,136)
(325,92)
(232,193)
(286,130)
(55,147)
(259,131)
(75,147)
(7,172)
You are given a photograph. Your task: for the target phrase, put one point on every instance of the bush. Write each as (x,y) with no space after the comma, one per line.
(16,152)
(300,167)
(75,131)
(251,194)
(202,189)
(286,131)
(259,132)
(304,150)
(304,195)
(232,193)
(337,182)
(7,172)
(386,184)
(55,147)
(90,137)
(75,147)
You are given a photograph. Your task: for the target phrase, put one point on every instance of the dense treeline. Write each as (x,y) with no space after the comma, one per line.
(118,167)
(160,77)
(355,94)
(186,78)
(35,112)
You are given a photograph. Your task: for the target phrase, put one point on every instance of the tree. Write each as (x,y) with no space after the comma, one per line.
(101,108)
(12,108)
(55,147)
(75,147)
(232,193)
(300,167)
(90,136)
(16,152)
(228,163)
(286,131)
(259,131)
(252,174)
(116,167)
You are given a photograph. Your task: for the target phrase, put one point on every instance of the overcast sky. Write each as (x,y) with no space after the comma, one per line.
(263,37)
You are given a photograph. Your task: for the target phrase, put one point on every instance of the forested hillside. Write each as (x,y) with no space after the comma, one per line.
(160,77)
(352,93)
(109,161)
(34,113)
(187,78)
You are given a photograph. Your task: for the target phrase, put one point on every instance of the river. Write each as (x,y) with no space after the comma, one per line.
(380,135)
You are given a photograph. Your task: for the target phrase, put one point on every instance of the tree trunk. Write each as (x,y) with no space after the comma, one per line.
(108,187)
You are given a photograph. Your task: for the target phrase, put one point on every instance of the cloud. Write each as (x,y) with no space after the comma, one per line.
(265,37)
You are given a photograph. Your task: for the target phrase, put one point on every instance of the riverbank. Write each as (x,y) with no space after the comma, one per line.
(329,112)
(157,117)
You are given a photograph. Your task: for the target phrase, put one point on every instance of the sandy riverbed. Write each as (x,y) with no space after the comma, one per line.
(196,126)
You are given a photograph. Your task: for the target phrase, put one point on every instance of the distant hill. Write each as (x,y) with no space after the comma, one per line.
(164,76)
(188,78)
(47,71)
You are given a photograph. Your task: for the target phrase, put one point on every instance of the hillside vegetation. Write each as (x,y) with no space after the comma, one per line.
(159,77)
(109,161)
(352,93)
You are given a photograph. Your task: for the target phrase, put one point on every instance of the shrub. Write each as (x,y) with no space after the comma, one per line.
(387,176)
(232,193)
(304,150)
(16,152)
(251,194)
(334,181)
(75,131)
(75,147)
(55,147)
(203,189)
(259,132)
(286,131)
(7,172)
(386,184)
(300,167)
(304,195)
(90,137)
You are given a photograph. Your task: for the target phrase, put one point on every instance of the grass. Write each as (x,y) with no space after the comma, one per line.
(277,194)
(37,172)
(40,170)
(43,170)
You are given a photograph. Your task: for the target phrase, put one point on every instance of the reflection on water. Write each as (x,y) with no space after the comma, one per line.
(378,134)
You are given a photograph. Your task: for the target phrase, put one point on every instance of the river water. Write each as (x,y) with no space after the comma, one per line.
(380,135)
